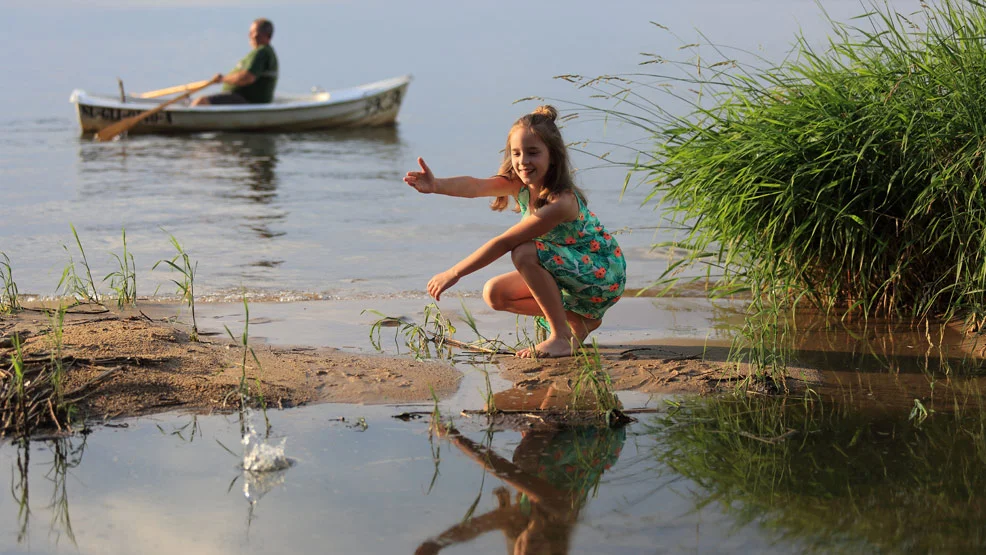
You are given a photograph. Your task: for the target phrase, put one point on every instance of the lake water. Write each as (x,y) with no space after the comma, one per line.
(325,216)
(684,480)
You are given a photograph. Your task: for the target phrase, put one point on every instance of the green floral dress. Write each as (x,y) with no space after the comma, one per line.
(584,259)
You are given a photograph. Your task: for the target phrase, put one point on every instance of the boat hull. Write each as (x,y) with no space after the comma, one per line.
(374,104)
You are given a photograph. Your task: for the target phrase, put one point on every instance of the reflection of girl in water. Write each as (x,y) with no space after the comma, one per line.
(553,471)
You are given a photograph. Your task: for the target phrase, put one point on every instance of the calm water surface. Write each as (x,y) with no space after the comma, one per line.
(681,481)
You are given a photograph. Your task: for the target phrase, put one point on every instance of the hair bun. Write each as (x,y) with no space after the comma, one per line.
(547,111)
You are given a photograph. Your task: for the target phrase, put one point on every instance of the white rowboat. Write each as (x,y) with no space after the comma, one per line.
(372,104)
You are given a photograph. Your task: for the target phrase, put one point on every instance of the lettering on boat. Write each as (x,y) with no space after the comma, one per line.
(383,103)
(116,114)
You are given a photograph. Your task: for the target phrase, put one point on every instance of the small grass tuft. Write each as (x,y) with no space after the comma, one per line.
(244,386)
(593,383)
(186,284)
(124,280)
(71,283)
(9,301)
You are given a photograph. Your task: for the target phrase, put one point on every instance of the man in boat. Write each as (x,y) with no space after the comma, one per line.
(253,79)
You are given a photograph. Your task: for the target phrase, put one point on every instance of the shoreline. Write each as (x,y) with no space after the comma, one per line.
(320,352)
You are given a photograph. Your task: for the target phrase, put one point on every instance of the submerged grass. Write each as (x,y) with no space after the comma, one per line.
(850,176)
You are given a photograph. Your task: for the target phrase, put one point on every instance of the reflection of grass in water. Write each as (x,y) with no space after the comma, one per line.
(832,479)
(20,490)
(66,455)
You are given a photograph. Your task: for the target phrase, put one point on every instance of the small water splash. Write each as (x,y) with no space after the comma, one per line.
(260,456)
(264,464)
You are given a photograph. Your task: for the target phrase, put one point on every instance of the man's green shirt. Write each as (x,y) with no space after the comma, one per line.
(262,63)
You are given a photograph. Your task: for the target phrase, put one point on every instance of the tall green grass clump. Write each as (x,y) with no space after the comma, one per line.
(850,175)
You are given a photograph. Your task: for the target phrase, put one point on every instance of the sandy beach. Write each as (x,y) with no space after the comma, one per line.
(140,361)
(320,351)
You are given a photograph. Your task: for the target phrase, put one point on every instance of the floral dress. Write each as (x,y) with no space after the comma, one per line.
(584,259)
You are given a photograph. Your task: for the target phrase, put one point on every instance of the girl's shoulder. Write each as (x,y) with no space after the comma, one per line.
(568,202)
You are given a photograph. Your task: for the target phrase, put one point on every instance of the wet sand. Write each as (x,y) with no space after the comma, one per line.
(320,351)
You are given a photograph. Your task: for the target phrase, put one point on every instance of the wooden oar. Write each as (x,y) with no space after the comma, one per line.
(171,90)
(126,124)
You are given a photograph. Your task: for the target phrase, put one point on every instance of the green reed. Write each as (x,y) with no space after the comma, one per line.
(434,332)
(848,176)
(593,383)
(71,283)
(9,301)
(186,282)
(57,370)
(17,366)
(489,400)
(244,385)
(124,280)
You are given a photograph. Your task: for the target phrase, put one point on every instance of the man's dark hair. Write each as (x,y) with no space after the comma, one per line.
(265,27)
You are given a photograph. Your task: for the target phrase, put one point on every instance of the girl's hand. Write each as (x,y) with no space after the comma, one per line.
(424,181)
(440,283)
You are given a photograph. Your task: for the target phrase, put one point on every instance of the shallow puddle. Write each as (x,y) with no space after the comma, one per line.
(703,474)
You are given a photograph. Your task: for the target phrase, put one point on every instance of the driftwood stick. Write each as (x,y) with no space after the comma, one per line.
(51,411)
(468,346)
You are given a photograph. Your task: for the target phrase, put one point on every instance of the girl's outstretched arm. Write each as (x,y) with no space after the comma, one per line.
(464,186)
(534,225)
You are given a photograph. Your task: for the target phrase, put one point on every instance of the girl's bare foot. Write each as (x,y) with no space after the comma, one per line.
(553,346)
(584,326)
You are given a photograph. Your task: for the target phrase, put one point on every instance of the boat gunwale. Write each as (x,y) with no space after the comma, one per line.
(81,98)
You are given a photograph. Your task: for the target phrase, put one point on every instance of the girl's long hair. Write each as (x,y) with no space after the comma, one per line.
(559,177)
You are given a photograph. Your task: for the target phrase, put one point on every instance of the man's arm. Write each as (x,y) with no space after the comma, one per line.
(239,78)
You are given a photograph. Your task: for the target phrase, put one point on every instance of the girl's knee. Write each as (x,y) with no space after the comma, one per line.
(493,295)
(525,254)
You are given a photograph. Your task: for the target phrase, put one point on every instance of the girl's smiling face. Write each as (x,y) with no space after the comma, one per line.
(529,156)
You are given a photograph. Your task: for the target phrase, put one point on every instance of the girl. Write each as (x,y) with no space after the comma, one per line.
(569,269)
